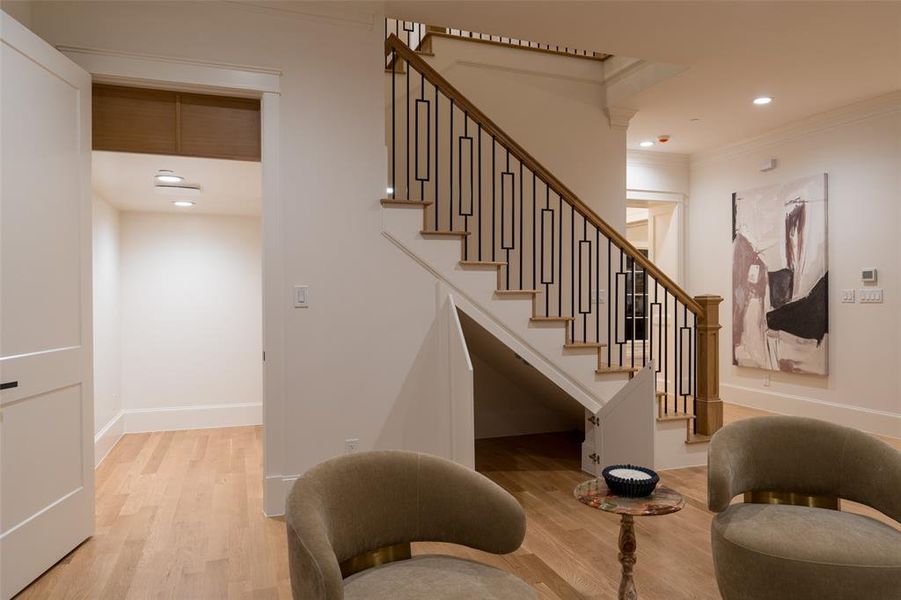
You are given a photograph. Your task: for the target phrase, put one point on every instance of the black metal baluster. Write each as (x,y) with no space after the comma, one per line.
(493,201)
(393,124)
(596,303)
(610,338)
(665,350)
(685,327)
(534,182)
(507,246)
(521,211)
(480,190)
(437,163)
(407,105)
(622,343)
(632,307)
(645,296)
(560,258)
(588,309)
(572,266)
(428,134)
(677,352)
(450,180)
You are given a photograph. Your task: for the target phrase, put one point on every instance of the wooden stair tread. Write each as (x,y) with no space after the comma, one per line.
(552,319)
(675,417)
(515,292)
(483,263)
(603,369)
(577,345)
(444,232)
(399,202)
(697,438)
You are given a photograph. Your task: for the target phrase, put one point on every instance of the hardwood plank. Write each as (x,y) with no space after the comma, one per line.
(179,515)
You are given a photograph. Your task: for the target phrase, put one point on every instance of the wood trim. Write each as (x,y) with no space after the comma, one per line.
(393,43)
(709,406)
(156,121)
(440,32)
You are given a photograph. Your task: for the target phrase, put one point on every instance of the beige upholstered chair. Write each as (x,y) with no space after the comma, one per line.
(775,551)
(362,509)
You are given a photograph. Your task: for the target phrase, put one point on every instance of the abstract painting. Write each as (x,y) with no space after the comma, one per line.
(780,319)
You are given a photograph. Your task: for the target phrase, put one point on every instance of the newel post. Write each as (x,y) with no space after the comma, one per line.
(709,417)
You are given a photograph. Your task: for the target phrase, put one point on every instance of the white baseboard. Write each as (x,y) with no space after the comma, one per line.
(141,420)
(865,419)
(108,436)
(275,492)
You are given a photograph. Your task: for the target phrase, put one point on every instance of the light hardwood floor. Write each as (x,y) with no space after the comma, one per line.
(179,515)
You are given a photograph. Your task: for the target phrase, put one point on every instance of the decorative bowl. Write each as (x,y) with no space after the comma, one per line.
(630,481)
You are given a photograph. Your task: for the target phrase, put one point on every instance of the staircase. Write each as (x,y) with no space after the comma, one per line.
(497,211)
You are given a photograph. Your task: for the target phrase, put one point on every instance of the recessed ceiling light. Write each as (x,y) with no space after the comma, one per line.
(761,100)
(183,203)
(168,176)
(646,144)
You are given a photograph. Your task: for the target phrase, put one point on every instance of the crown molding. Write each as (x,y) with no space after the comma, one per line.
(619,116)
(656,159)
(320,12)
(850,113)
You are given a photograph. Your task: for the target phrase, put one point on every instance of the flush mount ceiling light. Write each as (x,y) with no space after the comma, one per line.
(761,100)
(167,176)
(183,203)
(646,144)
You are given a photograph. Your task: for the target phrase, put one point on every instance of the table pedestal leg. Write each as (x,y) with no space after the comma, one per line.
(627,558)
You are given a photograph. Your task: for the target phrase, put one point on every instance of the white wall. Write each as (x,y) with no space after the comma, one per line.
(554,107)
(858,147)
(107,365)
(191,322)
(20,10)
(338,369)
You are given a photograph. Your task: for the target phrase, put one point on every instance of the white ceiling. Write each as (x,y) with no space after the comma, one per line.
(810,56)
(228,187)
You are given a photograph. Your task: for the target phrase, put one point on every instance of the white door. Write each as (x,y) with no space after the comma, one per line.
(46,406)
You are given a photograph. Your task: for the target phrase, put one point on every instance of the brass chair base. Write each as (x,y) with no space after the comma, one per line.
(374,558)
(761,497)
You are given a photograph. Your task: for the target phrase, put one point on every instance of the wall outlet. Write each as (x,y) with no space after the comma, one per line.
(870,296)
(351,445)
(848,296)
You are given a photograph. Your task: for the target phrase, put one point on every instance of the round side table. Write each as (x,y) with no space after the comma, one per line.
(663,501)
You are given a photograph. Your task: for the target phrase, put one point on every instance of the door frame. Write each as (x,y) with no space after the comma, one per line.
(172,73)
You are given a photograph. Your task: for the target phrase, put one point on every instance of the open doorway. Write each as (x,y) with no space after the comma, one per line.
(523,422)
(177,274)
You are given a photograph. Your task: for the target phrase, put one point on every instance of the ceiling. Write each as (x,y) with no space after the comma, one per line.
(228,187)
(810,56)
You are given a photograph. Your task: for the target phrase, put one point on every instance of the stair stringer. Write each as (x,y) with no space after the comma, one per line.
(508,319)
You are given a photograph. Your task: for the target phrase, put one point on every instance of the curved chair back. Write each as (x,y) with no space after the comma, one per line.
(358,503)
(805,456)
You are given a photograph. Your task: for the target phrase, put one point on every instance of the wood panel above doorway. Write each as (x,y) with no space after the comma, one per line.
(127,119)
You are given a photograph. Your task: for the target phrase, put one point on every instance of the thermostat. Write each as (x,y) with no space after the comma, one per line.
(868,275)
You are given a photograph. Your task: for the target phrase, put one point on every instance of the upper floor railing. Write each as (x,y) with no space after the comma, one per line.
(512,212)
(415,36)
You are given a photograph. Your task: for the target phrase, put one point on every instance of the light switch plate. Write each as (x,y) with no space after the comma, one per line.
(301,296)
(848,296)
(870,295)
(598,296)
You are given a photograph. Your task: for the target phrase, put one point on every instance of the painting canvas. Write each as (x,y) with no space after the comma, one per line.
(780,318)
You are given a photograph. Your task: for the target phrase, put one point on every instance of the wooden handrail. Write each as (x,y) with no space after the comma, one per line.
(393,43)
(443,32)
